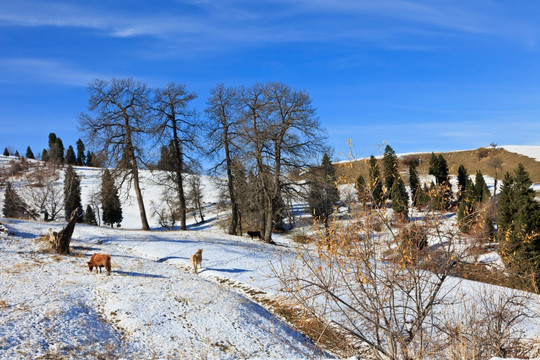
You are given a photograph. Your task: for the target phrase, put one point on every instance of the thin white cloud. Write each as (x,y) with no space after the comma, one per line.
(46,70)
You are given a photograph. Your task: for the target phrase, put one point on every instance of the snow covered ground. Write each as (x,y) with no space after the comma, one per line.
(153,305)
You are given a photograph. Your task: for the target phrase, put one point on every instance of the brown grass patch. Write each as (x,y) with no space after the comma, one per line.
(473,160)
(3,305)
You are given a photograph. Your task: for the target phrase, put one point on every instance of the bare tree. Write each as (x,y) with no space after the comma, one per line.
(195,195)
(379,287)
(222,113)
(496,164)
(119,127)
(167,210)
(281,132)
(44,192)
(176,123)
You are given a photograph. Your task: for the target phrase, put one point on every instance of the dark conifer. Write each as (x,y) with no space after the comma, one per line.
(29,153)
(89,216)
(462,178)
(414,182)
(375,185)
(391,169)
(89,158)
(6,152)
(466,207)
(480,187)
(14,206)
(81,158)
(72,193)
(518,225)
(400,198)
(45,155)
(110,201)
(71,159)
(17,154)
(323,191)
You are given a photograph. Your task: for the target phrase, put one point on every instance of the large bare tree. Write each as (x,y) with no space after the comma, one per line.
(281,133)
(119,127)
(176,123)
(222,113)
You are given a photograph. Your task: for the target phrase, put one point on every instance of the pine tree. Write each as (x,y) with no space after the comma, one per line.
(14,206)
(400,198)
(375,185)
(17,154)
(480,187)
(462,178)
(391,169)
(323,191)
(29,153)
(71,159)
(466,207)
(414,182)
(6,152)
(81,158)
(60,151)
(72,194)
(361,190)
(166,161)
(518,223)
(89,159)
(110,201)
(438,167)
(434,166)
(89,216)
(45,155)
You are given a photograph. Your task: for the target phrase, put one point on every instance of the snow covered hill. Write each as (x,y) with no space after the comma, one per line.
(153,305)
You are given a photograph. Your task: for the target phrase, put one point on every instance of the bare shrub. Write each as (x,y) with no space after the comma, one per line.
(488,326)
(347,283)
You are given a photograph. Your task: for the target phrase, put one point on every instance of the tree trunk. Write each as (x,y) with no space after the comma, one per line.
(63,238)
(140,202)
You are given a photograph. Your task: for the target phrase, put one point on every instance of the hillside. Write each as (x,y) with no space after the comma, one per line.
(473,160)
(154,306)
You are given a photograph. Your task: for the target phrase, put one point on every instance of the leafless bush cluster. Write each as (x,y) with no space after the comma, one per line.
(393,290)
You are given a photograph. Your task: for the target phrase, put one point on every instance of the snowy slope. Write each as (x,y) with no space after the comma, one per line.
(530,151)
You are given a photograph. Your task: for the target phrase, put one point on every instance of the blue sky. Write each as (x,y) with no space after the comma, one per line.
(419,75)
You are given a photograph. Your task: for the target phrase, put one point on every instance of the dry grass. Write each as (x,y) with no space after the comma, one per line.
(473,160)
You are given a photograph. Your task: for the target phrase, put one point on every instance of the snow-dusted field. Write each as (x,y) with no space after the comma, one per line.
(153,305)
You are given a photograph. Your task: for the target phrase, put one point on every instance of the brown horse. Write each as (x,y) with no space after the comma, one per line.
(196,259)
(99,261)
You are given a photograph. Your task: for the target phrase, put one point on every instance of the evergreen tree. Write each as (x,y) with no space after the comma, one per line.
(400,198)
(71,159)
(81,158)
(414,182)
(29,153)
(14,206)
(391,168)
(6,152)
(462,178)
(466,207)
(361,190)
(89,159)
(60,151)
(323,191)
(72,194)
(434,166)
(518,223)
(89,216)
(375,185)
(480,187)
(17,154)
(166,161)
(438,167)
(110,201)
(45,155)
